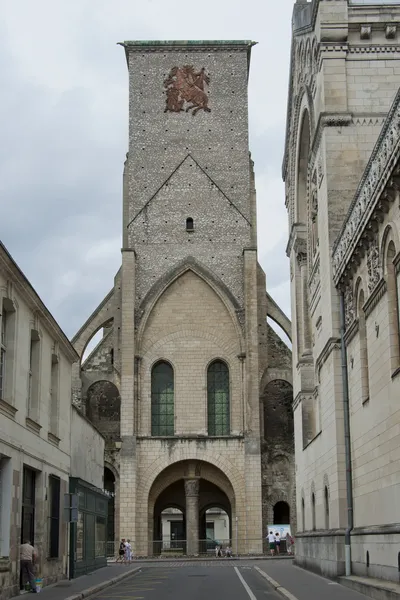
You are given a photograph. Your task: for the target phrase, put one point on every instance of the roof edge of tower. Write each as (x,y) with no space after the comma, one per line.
(185,43)
(160,45)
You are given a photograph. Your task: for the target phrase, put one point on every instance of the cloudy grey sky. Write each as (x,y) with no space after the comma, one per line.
(64,126)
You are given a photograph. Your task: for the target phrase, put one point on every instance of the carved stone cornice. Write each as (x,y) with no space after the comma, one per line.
(333,343)
(297,235)
(351,332)
(386,49)
(377,294)
(8,409)
(328,120)
(369,202)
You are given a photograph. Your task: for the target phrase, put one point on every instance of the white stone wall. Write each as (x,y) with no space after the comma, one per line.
(345,75)
(38,439)
(87,450)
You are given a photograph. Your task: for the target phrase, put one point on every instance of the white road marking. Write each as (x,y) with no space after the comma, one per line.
(246,587)
(276,585)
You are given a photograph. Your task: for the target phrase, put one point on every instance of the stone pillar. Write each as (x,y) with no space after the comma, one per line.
(127,490)
(251,513)
(192,515)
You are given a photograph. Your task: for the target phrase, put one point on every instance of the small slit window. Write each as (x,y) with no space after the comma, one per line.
(189,224)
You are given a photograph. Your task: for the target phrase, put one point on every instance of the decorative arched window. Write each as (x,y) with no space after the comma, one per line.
(364,366)
(313,511)
(218,399)
(393,298)
(303,515)
(162,399)
(326,498)
(189,224)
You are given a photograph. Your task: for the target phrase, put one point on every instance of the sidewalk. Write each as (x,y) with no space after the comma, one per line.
(304,585)
(78,588)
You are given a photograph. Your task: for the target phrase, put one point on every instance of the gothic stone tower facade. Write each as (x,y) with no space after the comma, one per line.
(344,76)
(186,343)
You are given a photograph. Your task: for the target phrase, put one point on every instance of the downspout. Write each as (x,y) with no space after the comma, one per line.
(347,446)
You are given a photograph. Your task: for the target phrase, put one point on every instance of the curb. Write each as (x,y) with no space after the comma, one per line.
(277,586)
(210,558)
(102,586)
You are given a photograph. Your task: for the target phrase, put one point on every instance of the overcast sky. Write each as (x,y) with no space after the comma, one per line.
(64,130)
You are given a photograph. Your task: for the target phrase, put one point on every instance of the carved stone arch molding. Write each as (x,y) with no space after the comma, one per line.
(303,107)
(390,234)
(190,264)
(304,102)
(360,285)
(271,374)
(111,467)
(280,496)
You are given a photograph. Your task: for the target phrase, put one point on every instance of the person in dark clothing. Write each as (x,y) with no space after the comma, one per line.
(27,561)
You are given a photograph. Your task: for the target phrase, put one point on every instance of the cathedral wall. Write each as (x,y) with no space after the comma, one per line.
(190,327)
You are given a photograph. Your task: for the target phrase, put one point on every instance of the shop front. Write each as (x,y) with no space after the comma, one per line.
(88,534)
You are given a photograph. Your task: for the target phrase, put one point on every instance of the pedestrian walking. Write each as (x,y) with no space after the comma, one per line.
(128,551)
(28,556)
(289,543)
(277,542)
(121,551)
(271,541)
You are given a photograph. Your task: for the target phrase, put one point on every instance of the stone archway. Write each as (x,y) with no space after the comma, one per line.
(278,448)
(192,487)
(110,489)
(281,513)
(103,408)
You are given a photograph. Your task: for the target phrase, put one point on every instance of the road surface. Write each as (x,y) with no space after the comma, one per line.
(224,580)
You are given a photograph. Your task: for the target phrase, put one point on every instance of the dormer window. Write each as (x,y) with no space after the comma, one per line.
(189,224)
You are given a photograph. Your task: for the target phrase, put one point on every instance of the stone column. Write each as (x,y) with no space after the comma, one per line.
(192,515)
(250,515)
(127,490)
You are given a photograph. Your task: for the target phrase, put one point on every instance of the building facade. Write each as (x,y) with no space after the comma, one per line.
(189,384)
(340,171)
(35,432)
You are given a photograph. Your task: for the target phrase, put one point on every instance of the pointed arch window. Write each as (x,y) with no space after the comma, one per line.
(162,399)
(313,511)
(218,399)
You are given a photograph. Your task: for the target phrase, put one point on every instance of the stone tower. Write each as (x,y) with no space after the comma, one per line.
(344,75)
(186,342)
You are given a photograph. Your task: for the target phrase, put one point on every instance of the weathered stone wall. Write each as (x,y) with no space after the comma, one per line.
(86,439)
(277,459)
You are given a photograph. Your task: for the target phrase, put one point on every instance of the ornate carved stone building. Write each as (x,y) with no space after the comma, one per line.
(190,385)
(341,173)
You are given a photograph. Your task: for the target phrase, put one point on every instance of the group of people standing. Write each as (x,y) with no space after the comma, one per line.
(274,540)
(125,551)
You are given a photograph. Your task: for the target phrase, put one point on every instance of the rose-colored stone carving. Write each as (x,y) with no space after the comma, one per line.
(185,87)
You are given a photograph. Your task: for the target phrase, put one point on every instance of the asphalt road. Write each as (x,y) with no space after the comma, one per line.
(193,583)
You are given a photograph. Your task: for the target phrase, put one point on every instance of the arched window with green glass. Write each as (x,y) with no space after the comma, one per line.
(162,399)
(218,399)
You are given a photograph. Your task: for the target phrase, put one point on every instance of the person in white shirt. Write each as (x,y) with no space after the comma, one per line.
(271,540)
(128,551)
(277,542)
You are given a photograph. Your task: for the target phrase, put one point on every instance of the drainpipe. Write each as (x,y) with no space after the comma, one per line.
(346,411)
